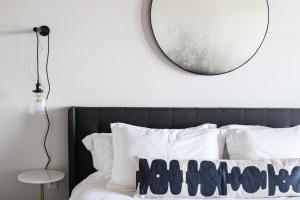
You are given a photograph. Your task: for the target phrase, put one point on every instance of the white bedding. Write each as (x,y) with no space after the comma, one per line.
(94,188)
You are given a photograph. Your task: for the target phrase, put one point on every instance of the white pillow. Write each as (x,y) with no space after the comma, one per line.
(271,143)
(128,141)
(231,128)
(101,147)
(243,127)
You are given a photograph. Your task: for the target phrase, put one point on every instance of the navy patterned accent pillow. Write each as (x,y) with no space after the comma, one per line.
(223,178)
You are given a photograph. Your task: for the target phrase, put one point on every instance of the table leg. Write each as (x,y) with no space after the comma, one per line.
(42,192)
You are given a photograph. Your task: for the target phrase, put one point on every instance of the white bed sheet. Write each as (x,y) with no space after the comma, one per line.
(94,188)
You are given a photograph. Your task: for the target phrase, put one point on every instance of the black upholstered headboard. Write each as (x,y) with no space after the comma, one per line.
(84,121)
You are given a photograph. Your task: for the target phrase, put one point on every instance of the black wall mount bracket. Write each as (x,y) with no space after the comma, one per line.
(43,30)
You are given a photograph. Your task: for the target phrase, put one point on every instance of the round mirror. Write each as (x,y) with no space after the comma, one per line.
(210,37)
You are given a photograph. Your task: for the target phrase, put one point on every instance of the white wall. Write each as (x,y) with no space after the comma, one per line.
(103,54)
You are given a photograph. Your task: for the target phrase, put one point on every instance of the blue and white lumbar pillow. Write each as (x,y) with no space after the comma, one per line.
(223,178)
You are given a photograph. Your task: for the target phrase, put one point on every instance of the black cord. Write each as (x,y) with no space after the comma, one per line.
(37,58)
(47,73)
(46,111)
(45,139)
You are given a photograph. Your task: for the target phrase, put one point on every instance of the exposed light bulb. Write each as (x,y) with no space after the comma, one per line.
(39,103)
(39,100)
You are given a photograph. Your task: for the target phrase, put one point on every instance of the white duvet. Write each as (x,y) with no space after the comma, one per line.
(94,188)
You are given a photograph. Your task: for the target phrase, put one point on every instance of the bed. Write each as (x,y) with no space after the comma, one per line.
(93,188)
(83,121)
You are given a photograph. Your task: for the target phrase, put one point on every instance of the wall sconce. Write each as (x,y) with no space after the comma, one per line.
(40,99)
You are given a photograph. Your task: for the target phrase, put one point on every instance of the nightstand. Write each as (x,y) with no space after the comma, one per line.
(41,177)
